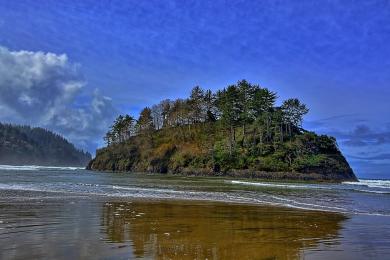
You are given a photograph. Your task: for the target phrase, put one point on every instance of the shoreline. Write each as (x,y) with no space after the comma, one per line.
(246,175)
(177,200)
(170,196)
(180,200)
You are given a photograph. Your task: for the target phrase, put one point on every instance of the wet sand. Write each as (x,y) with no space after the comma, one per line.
(72,227)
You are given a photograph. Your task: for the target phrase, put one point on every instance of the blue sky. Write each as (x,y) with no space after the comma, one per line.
(333,55)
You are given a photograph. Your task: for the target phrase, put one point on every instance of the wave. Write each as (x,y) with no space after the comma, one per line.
(366,186)
(371,191)
(383,184)
(119,191)
(138,189)
(21,187)
(308,205)
(280,185)
(37,168)
(126,191)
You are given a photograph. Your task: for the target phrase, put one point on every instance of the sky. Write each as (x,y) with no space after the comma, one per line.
(72,66)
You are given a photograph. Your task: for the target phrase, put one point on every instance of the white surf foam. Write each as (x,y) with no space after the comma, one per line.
(384,184)
(23,187)
(368,186)
(161,193)
(372,191)
(279,185)
(37,168)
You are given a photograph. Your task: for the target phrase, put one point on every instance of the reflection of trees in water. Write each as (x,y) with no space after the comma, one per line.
(184,230)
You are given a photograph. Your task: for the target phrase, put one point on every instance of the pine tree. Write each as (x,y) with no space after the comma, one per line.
(196,104)
(145,121)
(293,112)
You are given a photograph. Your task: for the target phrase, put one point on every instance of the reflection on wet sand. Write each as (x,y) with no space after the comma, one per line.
(178,230)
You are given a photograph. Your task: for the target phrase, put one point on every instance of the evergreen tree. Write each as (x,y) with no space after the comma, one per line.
(196,104)
(230,109)
(210,106)
(263,100)
(245,104)
(118,129)
(145,121)
(293,111)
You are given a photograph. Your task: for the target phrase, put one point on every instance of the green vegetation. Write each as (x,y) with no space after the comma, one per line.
(237,131)
(23,145)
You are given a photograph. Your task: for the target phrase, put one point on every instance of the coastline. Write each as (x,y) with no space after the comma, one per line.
(248,174)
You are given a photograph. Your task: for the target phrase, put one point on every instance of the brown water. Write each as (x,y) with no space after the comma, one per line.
(80,228)
(62,215)
(174,230)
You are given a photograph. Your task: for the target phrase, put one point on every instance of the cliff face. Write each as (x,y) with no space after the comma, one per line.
(23,145)
(305,156)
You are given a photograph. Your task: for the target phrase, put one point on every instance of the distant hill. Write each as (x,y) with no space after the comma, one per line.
(24,145)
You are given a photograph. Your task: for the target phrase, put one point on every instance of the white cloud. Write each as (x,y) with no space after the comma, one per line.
(40,89)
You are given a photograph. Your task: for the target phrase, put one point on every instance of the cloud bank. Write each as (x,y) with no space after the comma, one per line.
(46,90)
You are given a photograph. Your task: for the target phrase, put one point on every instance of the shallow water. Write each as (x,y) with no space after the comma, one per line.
(73,213)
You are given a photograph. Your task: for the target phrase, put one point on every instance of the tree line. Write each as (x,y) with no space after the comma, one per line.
(244,107)
(34,145)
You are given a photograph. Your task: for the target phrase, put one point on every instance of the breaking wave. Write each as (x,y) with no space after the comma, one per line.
(383,184)
(37,168)
(279,185)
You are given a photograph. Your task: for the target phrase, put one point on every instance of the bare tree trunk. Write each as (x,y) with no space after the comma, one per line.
(261,141)
(254,136)
(231,140)
(243,135)
(281,133)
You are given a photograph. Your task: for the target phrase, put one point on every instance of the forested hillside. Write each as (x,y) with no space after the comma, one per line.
(237,131)
(23,145)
